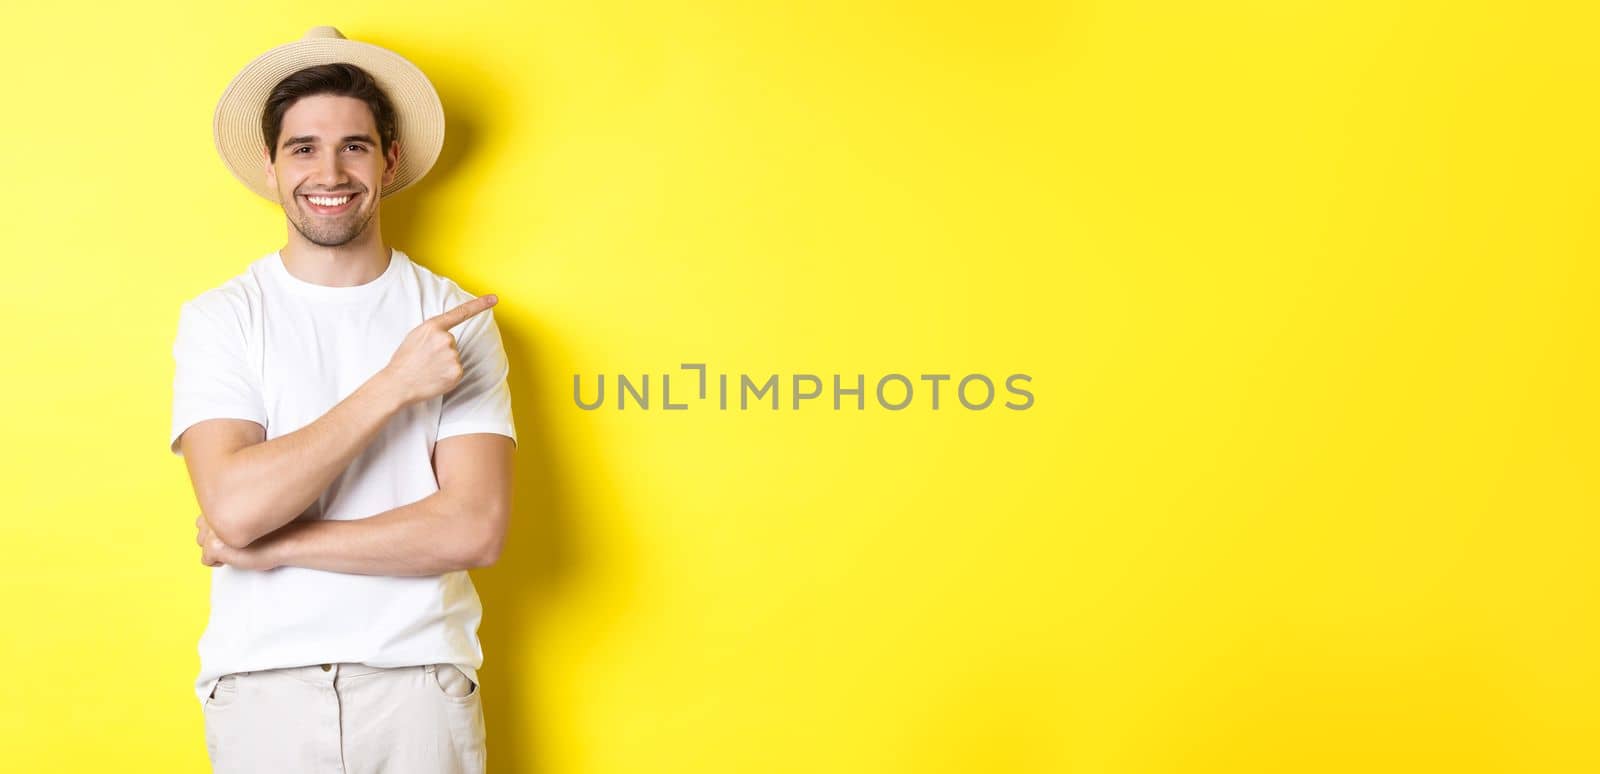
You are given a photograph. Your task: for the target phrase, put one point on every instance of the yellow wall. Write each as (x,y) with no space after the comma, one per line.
(1307,293)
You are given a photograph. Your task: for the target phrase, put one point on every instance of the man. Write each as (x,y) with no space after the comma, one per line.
(345,418)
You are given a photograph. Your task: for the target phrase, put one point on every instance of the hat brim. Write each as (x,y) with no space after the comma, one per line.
(236,126)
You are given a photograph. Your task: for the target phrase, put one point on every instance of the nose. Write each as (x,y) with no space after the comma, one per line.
(329,173)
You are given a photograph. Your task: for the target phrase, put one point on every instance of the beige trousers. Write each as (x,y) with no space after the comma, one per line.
(346,719)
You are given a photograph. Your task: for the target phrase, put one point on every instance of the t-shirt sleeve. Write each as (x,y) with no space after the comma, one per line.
(481,401)
(212,379)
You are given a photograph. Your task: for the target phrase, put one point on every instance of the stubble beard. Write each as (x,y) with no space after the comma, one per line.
(327,232)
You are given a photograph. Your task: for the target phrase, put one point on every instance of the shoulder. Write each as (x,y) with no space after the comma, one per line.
(439,292)
(230,303)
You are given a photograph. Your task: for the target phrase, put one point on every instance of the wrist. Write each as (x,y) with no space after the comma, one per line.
(279,549)
(387,391)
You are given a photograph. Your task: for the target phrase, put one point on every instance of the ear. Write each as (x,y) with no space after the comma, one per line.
(391,162)
(268,170)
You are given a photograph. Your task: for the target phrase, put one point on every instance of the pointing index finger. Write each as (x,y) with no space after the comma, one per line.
(461,313)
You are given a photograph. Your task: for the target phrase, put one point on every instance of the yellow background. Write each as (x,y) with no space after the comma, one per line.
(1307,292)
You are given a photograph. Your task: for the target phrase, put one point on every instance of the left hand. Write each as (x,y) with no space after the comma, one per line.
(214,552)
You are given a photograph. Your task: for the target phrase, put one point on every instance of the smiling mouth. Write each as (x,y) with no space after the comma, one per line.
(330,205)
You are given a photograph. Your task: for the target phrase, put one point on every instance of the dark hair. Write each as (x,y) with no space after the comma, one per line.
(339,79)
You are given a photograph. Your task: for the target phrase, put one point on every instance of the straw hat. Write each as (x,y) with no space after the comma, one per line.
(236,127)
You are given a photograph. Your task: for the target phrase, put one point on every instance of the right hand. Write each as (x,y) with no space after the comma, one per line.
(427,363)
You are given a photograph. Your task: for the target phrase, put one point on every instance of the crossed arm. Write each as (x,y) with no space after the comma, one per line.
(250,491)
(460,526)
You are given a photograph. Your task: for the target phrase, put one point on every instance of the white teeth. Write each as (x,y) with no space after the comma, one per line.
(323,201)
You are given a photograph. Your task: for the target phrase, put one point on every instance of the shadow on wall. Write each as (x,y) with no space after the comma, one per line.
(538,563)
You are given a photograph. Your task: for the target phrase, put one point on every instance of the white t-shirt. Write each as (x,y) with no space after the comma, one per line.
(272,348)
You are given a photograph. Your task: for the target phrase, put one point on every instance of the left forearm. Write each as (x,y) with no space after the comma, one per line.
(431,536)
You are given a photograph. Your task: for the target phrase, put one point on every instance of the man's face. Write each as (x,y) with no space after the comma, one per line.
(328,149)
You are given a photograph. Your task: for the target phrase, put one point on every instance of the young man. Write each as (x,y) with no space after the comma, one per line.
(346,422)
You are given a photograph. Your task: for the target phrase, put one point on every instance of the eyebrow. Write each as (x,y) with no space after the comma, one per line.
(313,138)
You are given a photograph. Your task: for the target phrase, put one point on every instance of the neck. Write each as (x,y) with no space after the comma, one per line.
(357,262)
